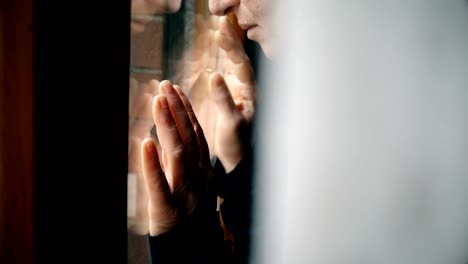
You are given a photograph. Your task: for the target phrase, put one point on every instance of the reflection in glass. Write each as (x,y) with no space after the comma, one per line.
(168,41)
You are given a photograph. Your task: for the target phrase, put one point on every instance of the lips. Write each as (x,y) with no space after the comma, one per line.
(246,26)
(250,29)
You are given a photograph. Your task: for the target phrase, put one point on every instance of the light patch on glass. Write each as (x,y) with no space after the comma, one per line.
(132,195)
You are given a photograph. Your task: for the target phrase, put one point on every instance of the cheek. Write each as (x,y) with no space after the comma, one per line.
(257,11)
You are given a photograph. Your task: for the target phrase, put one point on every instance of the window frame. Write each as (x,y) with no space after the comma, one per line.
(81,79)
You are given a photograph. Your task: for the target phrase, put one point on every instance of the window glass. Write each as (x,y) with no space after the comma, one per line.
(170,40)
(164,36)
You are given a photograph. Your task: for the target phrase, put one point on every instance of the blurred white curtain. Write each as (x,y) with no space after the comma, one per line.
(363,134)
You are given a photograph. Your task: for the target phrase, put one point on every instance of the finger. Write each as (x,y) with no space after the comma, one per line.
(156,182)
(171,143)
(232,18)
(222,96)
(187,105)
(247,108)
(204,152)
(182,119)
(237,63)
(242,71)
(241,88)
(229,41)
(159,206)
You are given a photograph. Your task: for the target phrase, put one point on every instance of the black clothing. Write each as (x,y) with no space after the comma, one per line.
(199,239)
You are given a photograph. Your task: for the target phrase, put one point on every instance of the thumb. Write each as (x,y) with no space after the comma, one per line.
(220,93)
(156,185)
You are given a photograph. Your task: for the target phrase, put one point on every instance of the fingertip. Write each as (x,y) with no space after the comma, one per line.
(222,20)
(216,78)
(161,112)
(155,101)
(225,25)
(149,147)
(162,102)
(162,86)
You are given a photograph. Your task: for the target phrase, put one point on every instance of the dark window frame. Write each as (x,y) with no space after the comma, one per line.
(81,78)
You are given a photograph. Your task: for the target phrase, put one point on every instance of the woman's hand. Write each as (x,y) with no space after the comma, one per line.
(178,177)
(225,102)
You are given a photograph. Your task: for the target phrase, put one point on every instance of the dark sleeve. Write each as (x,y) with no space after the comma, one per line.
(236,184)
(236,188)
(197,240)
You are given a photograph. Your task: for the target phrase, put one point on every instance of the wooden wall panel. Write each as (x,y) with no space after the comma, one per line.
(16,124)
(2,81)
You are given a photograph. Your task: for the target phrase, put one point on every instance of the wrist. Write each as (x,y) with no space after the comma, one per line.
(230,164)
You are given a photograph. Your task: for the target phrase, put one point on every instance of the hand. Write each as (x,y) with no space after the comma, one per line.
(176,185)
(202,56)
(140,125)
(227,108)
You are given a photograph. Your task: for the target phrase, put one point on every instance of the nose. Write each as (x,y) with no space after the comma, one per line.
(222,7)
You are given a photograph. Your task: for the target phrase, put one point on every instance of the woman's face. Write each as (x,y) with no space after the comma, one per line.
(251,16)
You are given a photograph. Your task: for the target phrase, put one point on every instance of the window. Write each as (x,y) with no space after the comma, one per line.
(163,36)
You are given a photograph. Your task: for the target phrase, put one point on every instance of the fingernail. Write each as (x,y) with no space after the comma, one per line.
(163,102)
(149,147)
(168,89)
(163,116)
